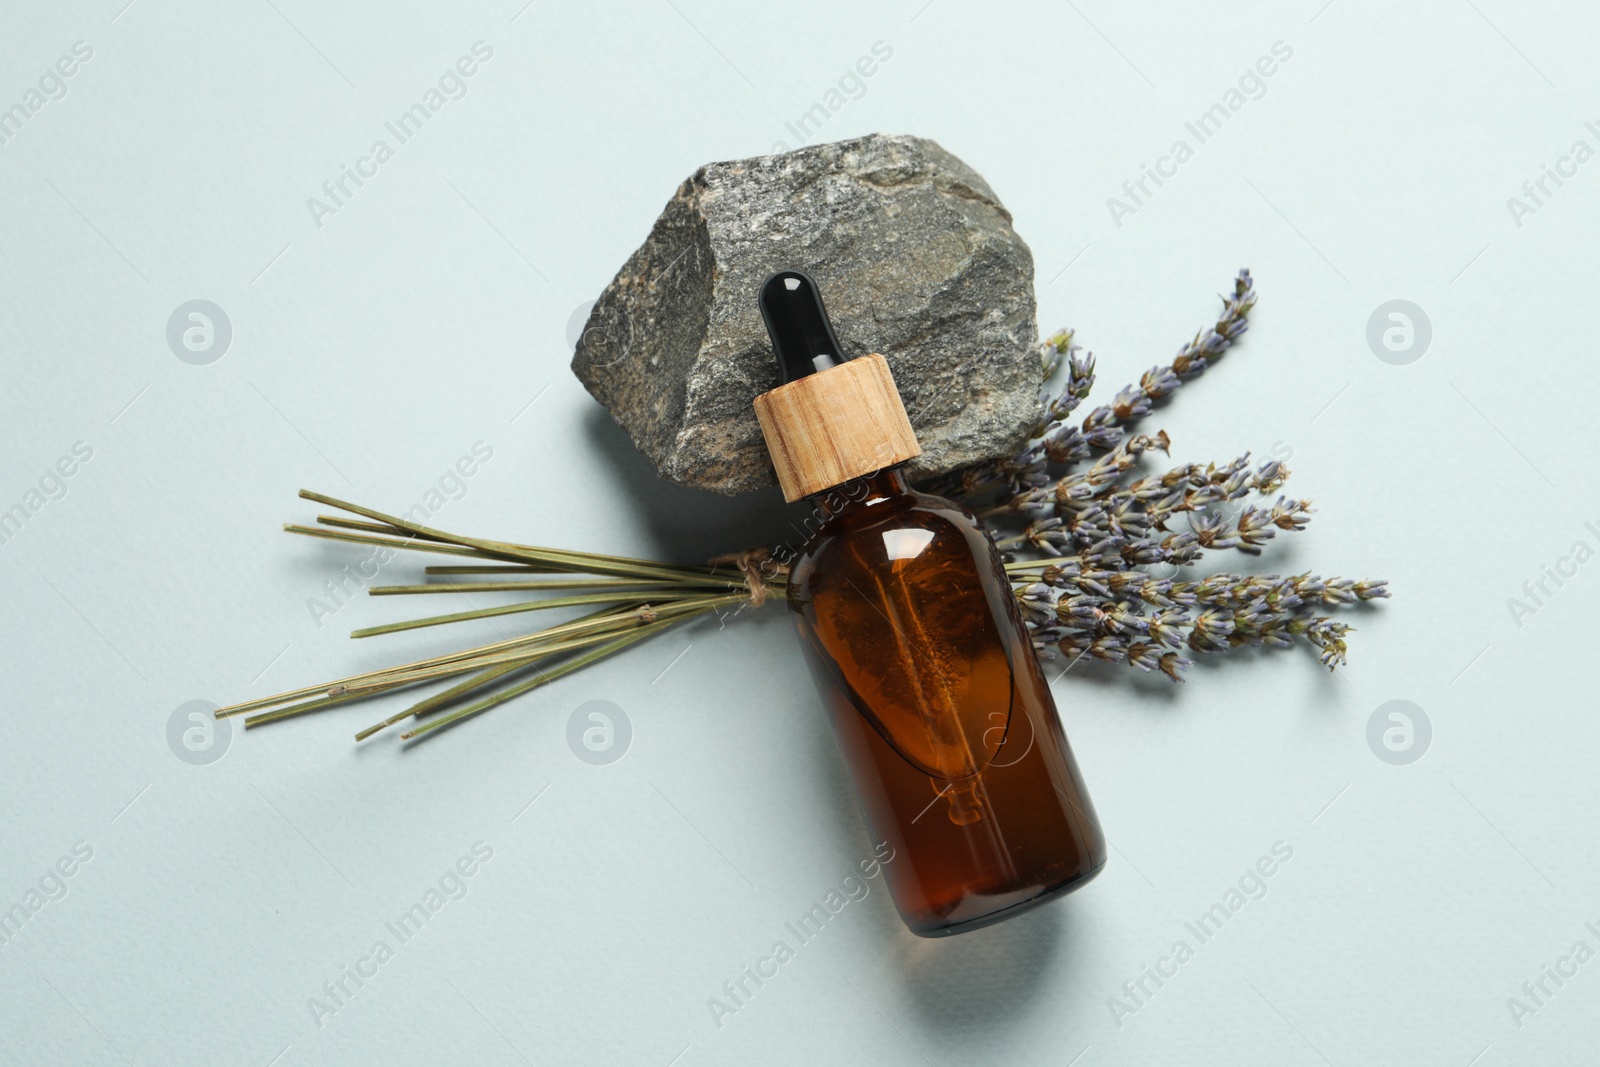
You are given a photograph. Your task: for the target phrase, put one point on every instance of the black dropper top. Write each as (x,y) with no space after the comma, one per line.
(798,324)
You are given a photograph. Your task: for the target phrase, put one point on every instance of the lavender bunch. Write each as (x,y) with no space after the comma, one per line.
(1096,562)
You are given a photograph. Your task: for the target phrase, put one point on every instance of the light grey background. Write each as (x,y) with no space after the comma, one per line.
(431,312)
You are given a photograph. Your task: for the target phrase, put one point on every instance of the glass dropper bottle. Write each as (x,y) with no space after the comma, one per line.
(917,646)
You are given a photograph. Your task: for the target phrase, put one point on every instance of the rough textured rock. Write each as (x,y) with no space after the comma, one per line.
(916,258)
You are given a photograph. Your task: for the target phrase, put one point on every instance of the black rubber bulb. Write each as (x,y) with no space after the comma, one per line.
(798,324)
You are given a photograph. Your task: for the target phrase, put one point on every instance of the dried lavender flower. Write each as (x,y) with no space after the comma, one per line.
(1096,534)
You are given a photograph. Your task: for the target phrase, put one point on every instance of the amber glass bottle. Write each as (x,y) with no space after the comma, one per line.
(918,648)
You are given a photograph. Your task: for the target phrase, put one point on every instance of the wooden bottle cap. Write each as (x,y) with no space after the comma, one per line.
(827,428)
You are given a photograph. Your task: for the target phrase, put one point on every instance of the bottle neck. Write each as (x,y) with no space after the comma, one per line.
(869,490)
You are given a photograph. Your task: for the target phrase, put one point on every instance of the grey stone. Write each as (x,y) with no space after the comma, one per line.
(916,258)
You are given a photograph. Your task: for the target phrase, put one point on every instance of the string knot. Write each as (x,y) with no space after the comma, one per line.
(750,563)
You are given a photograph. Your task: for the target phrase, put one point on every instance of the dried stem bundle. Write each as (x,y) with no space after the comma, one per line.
(634,599)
